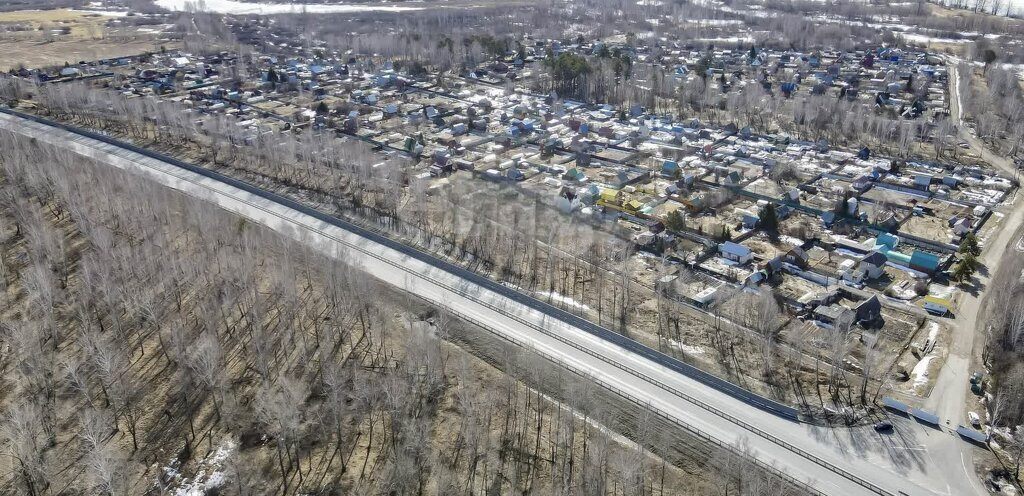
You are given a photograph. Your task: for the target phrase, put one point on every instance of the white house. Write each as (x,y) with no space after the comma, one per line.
(963,226)
(735,252)
(873,264)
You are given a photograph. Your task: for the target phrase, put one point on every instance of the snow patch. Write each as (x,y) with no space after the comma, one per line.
(689,349)
(901,293)
(563,300)
(209,474)
(933,331)
(920,372)
(105,13)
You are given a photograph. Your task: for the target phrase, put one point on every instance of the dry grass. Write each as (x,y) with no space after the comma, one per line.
(36,38)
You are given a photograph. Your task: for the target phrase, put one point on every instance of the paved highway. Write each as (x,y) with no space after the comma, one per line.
(832,461)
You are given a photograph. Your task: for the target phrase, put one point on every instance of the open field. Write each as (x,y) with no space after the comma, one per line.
(33,38)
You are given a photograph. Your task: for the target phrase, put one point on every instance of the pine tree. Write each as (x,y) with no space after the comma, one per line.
(674,221)
(962,272)
(970,245)
(970,261)
(769,219)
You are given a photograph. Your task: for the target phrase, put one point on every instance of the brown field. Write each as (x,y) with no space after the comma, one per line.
(38,38)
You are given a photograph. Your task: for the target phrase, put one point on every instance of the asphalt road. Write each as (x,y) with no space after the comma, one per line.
(948,398)
(895,463)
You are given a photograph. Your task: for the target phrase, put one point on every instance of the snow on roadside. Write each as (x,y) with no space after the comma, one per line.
(689,349)
(565,300)
(554,296)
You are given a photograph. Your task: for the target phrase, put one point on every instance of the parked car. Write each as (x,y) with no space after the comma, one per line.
(883,426)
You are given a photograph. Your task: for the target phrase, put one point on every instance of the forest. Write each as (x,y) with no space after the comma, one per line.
(152,343)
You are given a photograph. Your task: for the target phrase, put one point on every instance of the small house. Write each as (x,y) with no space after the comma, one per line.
(832,314)
(670,168)
(963,226)
(611,197)
(889,241)
(733,178)
(936,305)
(633,206)
(873,264)
(797,256)
(870,310)
(750,221)
(922,181)
(755,278)
(735,252)
(827,218)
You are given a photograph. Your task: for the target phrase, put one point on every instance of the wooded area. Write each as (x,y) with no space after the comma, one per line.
(152,342)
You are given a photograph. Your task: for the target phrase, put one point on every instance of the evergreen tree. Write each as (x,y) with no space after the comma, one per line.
(769,219)
(965,269)
(970,261)
(969,245)
(674,221)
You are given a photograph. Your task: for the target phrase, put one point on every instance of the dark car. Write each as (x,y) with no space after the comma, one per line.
(883,426)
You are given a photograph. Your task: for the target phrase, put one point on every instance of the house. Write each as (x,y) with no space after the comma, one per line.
(783,212)
(862,182)
(827,218)
(670,168)
(797,256)
(735,252)
(851,275)
(869,310)
(936,305)
(755,278)
(924,262)
(750,221)
(733,178)
(873,264)
(773,266)
(889,241)
(963,226)
(833,314)
(922,181)
(610,197)
(633,206)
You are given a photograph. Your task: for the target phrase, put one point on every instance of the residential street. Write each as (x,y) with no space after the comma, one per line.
(949,395)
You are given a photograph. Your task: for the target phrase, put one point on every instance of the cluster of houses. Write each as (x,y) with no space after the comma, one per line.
(739,208)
